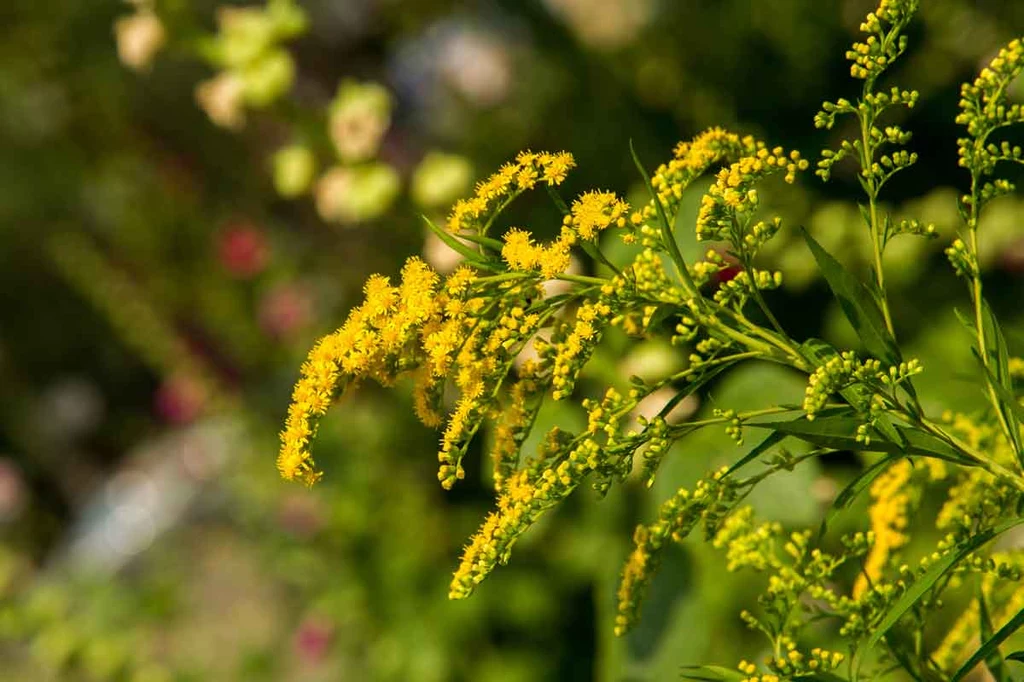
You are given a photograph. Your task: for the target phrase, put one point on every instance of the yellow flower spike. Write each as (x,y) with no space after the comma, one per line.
(375,335)
(888,515)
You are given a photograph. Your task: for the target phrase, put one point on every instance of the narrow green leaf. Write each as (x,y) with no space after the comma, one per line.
(489,242)
(594,252)
(897,644)
(773,438)
(990,645)
(668,236)
(966,321)
(994,661)
(695,386)
(662,313)
(917,590)
(839,432)
(715,673)
(456,245)
(857,303)
(1013,406)
(557,199)
(1012,411)
(1017,656)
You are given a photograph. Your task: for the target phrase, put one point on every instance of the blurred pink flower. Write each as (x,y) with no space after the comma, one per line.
(313,639)
(243,249)
(285,309)
(180,399)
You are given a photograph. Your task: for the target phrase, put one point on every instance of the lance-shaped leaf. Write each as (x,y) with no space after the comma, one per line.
(713,673)
(839,432)
(774,438)
(668,236)
(997,373)
(857,303)
(456,245)
(994,660)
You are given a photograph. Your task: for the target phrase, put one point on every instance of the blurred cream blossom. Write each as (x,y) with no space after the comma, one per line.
(139,37)
(222,98)
(359,116)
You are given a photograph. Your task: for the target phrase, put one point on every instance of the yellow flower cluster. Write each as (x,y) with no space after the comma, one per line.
(594,212)
(575,350)
(527,494)
(520,253)
(510,428)
(690,161)
(368,346)
(511,179)
(590,214)
(888,515)
(733,194)
(481,362)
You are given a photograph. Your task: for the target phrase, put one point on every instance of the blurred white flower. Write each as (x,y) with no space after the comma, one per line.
(139,37)
(478,66)
(12,490)
(651,360)
(222,98)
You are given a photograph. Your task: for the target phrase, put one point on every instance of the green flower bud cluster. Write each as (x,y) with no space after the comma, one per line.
(983,109)
(677,516)
(657,447)
(837,373)
(748,545)
(885,42)
(963,259)
(911,226)
(734,425)
(736,292)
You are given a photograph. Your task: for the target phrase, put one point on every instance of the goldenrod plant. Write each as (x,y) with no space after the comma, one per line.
(489,344)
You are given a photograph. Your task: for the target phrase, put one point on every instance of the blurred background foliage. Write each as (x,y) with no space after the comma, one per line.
(157,294)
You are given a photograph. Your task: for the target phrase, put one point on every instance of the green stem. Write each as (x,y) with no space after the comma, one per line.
(978,301)
(761,302)
(867,159)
